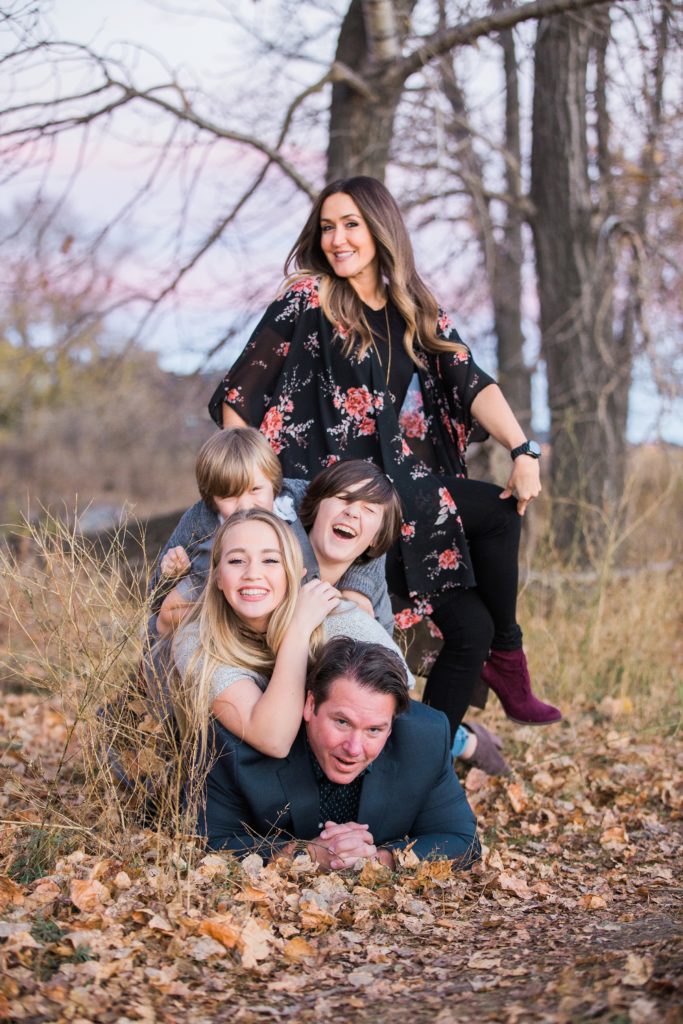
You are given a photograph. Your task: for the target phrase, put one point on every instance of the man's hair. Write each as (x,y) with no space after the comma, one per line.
(370,665)
(226,463)
(342,481)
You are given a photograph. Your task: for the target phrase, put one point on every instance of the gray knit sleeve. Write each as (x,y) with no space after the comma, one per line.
(350,620)
(369,578)
(187,642)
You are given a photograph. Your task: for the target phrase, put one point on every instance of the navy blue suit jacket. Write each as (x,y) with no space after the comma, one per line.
(258,803)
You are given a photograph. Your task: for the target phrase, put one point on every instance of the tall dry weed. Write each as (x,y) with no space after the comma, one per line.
(72,632)
(611,626)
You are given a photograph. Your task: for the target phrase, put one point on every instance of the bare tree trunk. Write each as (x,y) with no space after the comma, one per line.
(506,293)
(503,256)
(363,109)
(575,277)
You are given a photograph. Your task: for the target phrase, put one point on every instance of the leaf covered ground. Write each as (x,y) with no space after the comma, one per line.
(573,913)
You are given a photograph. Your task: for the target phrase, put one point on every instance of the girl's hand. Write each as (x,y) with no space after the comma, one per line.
(524,482)
(175,562)
(315,601)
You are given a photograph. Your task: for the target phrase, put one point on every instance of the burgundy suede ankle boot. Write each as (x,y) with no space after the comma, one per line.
(507,674)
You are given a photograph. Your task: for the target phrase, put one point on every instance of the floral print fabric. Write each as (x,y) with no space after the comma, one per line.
(316,406)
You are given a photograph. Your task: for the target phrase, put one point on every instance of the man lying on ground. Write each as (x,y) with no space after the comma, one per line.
(370,772)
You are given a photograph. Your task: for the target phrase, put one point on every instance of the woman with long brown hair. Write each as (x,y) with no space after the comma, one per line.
(356,360)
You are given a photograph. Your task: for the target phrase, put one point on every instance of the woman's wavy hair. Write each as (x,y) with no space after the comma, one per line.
(224,638)
(356,480)
(340,303)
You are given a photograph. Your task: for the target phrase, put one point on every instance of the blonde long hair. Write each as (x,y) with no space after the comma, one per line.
(339,301)
(224,638)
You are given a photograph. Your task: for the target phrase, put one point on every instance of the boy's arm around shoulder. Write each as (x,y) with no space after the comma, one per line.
(370,579)
(198,522)
(444,825)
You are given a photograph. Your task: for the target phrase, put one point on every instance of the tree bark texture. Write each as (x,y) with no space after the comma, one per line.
(506,291)
(588,378)
(362,119)
(502,252)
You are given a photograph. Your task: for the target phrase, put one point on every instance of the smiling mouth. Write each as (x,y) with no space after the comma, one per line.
(253,593)
(342,255)
(344,532)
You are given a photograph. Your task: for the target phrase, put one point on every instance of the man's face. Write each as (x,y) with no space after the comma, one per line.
(349,729)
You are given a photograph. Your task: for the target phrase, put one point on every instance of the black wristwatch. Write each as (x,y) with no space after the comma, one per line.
(531,448)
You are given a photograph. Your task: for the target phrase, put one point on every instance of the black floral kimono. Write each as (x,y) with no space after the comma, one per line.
(316,406)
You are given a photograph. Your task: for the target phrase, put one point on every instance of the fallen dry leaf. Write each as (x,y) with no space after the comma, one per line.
(223,929)
(204,947)
(299,949)
(18,936)
(643,1011)
(638,971)
(517,797)
(616,707)
(256,942)
(544,782)
(314,911)
(592,901)
(374,873)
(89,896)
(477,780)
(159,923)
(11,894)
(483,962)
(513,883)
(614,837)
(250,894)
(212,865)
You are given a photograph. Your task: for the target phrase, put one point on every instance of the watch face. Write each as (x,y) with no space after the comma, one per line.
(534,448)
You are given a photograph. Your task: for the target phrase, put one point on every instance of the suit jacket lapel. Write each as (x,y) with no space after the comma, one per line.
(301,790)
(378,792)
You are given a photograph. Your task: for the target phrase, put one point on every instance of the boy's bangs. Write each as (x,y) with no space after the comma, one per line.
(376,491)
(241,480)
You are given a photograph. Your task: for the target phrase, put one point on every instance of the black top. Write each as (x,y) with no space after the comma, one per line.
(402,366)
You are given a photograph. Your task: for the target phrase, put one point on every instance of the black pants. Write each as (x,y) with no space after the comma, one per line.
(474,620)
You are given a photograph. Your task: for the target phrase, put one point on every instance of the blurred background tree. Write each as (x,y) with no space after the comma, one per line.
(81,413)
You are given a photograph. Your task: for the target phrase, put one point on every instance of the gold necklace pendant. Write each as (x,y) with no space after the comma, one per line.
(388,340)
(386,320)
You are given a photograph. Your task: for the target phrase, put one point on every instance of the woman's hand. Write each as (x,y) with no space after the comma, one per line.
(524,483)
(175,562)
(315,601)
(495,415)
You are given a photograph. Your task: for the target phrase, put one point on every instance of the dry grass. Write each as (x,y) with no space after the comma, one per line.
(72,632)
(612,628)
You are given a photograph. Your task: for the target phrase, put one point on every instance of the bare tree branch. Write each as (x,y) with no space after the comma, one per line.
(442,41)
